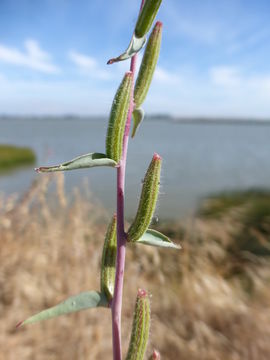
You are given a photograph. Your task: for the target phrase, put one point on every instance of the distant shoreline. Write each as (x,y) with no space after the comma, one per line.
(156,117)
(221,121)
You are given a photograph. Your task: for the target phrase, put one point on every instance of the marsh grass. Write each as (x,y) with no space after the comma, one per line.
(210,302)
(13,156)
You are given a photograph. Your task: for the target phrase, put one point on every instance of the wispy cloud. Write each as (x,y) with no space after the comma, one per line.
(85,62)
(165,76)
(234,79)
(88,65)
(53,96)
(33,57)
(225,76)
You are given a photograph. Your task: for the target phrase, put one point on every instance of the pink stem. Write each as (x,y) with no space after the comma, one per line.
(121,237)
(116,305)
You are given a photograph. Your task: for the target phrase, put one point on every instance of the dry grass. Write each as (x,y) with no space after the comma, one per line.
(208,302)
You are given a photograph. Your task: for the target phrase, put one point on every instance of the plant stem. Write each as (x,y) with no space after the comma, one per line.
(121,235)
(116,305)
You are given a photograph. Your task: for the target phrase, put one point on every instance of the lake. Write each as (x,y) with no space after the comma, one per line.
(199,158)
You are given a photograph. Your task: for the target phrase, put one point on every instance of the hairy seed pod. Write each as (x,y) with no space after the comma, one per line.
(118,116)
(148,65)
(140,327)
(146,17)
(107,277)
(148,200)
(154,356)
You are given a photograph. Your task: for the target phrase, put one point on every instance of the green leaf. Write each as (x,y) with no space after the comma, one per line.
(81,162)
(135,45)
(138,116)
(82,301)
(155,238)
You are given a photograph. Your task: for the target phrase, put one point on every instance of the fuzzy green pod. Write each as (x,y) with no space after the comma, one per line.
(107,277)
(146,17)
(148,65)
(140,327)
(148,200)
(118,116)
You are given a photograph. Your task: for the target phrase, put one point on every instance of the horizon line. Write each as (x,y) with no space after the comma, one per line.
(160,116)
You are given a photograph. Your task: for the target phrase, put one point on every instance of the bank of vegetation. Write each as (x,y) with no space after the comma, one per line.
(14,156)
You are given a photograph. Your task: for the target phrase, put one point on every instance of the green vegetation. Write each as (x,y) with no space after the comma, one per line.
(249,212)
(13,156)
(218,205)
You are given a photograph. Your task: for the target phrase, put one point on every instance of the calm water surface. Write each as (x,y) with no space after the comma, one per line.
(198,158)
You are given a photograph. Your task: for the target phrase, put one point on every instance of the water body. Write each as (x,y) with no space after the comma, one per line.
(199,158)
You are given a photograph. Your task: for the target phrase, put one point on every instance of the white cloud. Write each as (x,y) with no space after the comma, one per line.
(53,96)
(34,57)
(88,65)
(166,77)
(225,76)
(236,81)
(85,62)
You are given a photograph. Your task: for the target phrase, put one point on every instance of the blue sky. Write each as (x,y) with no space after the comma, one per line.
(214,59)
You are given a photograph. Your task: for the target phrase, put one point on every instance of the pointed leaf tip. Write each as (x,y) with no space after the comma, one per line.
(155,238)
(19,324)
(82,301)
(135,45)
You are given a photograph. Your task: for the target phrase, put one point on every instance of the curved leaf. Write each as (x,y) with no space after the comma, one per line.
(82,301)
(80,162)
(138,116)
(135,45)
(155,238)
